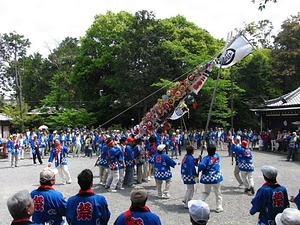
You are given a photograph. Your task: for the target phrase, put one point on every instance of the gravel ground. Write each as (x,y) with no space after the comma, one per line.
(236,204)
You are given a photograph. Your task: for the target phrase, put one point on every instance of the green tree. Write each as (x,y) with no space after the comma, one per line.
(61,62)
(13,50)
(286,56)
(123,55)
(37,73)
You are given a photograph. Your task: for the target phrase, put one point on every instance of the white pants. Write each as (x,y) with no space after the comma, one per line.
(103,173)
(273,145)
(14,160)
(219,144)
(247,179)
(217,189)
(145,171)
(112,179)
(236,173)
(22,153)
(190,189)
(121,178)
(159,186)
(64,173)
(9,155)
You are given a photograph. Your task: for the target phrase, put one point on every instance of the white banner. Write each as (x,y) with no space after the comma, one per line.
(178,112)
(198,84)
(238,50)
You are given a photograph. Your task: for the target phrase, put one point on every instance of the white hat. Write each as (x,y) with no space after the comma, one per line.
(47,174)
(269,172)
(289,216)
(161,147)
(199,210)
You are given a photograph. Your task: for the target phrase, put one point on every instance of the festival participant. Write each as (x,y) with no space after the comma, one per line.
(150,145)
(21,207)
(138,212)
(139,156)
(122,146)
(22,145)
(129,163)
(188,174)
(114,157)
(199,212)
(211,176)
(15,151)
(77,142)
(270,199)
(236,171)
(102,163)
(162,164)
(59,154)
(35,144)
(86,207)
(49,204)
(245,163)
(174,142)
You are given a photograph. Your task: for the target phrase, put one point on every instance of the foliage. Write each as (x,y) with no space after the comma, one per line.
(70,118)
(12,51)
(124,55)
(262,5)
(29,121)
(36,75)
(61,61)
(286,56)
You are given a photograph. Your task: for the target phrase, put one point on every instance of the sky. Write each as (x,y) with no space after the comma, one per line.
(46,23)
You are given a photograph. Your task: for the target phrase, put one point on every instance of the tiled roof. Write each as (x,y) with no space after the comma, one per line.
(287,100)
(4,117)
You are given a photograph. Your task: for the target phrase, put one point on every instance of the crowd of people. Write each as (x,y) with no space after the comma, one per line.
(127,159)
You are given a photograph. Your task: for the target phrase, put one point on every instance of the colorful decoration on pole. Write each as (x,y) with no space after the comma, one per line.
(174,104)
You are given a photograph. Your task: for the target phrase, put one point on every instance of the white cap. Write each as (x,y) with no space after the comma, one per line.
(161,147)
(289,216)
(199,210)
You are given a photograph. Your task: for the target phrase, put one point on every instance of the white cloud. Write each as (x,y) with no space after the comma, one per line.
(49,22)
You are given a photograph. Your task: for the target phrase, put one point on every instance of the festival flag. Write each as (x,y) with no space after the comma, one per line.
(198,83)
(237,50)
(179,111)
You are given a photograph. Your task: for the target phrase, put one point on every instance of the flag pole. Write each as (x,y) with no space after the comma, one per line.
(210,108)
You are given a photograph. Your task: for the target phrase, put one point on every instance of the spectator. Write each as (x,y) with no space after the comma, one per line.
(293,145)
(138,212)
(270,199)
(162,165)
(21,208)
(211,176)
(87,207)
(288,217)
(188,174)
(49,204)
(199,212)
(35,144)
